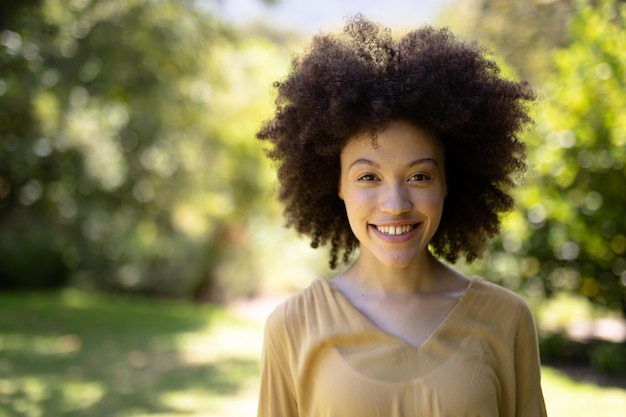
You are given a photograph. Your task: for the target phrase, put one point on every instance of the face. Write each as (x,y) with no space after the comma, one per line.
(394,193)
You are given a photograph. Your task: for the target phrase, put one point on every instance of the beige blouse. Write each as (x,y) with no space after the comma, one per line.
(322,357)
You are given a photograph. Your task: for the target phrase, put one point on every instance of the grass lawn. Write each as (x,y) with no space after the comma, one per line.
(75,354)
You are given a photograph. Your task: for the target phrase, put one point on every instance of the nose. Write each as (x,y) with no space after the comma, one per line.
(395,199)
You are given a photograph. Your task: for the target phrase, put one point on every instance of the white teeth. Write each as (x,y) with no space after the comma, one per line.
(395,230)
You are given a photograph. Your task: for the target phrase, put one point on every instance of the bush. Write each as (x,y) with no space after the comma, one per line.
(609,358)
(605,357)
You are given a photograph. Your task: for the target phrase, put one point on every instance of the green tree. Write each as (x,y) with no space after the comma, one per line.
(127,158)
(570,232)
(523,33)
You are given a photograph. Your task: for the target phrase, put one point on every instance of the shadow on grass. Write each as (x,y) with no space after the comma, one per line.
(591,376)
(70,354)
(599,362)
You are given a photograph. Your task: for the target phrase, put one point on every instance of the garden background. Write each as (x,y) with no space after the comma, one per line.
(141,245)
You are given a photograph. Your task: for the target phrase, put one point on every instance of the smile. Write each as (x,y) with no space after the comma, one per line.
(395,230)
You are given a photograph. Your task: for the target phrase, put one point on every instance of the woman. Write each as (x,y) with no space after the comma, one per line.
(406,150)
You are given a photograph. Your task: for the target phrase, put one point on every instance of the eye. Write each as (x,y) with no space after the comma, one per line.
(367,177)
(419,177)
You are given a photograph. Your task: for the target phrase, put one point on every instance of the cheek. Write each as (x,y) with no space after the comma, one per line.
(355,202)
(431,202)
(437,203)
(436,197)
(358,205)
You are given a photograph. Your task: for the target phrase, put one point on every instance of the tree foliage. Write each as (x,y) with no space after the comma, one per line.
(569,234)
(576,205)
(127,158)
(523,33)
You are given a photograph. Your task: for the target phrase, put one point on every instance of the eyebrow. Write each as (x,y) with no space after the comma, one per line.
(411,164)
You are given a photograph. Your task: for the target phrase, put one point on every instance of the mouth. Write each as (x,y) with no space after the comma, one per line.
(396,230)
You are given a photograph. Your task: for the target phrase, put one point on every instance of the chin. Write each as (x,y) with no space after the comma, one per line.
(397,261)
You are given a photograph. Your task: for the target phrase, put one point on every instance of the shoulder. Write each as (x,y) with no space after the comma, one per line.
(301,307)
(492,292)
(499,302)
(499,314)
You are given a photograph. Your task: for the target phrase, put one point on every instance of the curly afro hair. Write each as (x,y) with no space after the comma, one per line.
(358,82)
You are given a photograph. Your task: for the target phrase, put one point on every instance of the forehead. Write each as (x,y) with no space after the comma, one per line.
(398,140)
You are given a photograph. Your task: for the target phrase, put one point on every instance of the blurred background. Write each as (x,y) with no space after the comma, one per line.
(141,245)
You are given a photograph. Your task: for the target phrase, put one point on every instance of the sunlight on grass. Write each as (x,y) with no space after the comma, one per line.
(241,406)
(72,353)
(566,397)
(81,394)
(40,345)
(221,341)
(195,403)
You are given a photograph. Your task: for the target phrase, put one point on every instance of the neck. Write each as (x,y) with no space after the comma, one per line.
(424,275)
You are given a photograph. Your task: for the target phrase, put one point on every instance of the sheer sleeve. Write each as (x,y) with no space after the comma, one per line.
(277,395)
(529,397)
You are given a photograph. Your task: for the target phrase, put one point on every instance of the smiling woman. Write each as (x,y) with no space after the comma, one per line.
(405,150)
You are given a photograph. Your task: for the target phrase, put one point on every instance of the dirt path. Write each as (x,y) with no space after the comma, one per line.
(256,309)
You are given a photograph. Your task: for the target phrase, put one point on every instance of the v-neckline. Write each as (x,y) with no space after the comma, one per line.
(461,301)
